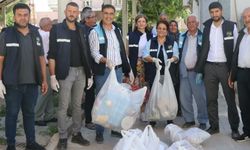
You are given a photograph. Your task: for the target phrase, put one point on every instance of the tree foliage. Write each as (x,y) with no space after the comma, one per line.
(153,8)
(9,13)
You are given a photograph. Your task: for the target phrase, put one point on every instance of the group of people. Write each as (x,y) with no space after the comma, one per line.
(77,57)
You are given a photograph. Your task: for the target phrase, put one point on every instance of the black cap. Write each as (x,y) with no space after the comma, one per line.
(215,5)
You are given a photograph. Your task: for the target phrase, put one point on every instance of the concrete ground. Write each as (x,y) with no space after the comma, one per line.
(221,141)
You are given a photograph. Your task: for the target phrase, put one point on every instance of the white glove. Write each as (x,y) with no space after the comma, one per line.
(2,89)
(54,83)
(171,59)
(131,76)
(109,64)
(90,82)
(157,62)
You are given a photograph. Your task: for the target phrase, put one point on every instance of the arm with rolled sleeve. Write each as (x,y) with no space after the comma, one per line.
(175,56)
(94,46)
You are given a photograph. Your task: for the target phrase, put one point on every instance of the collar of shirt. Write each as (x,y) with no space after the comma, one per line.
(113,28)
(213,26)
(246,32)
(190,35)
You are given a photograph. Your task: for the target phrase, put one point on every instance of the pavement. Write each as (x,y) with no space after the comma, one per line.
(221,141)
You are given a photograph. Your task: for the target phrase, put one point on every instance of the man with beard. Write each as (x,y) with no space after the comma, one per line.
(214,62)
(69,68)
(22,69)
(241,72)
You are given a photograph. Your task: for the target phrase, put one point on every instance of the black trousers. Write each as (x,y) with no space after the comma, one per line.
(215,73)
(89,102)
(243,84)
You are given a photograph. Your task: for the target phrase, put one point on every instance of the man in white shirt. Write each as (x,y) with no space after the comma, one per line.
(44,109)
(214,62)
(190,46)
(241,72)
(108,51)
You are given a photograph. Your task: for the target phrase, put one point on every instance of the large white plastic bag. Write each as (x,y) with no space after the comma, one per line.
(174,132)
(130,140)
(115,105)
(195,136)
(167,101)
(151,109)
(181,145)
(150,139)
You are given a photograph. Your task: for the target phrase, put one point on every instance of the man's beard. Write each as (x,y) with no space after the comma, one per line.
(69,20)
(21,26)
(216,19)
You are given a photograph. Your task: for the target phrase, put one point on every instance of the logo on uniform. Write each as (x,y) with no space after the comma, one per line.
(170,47)
(229,33)
(38,43)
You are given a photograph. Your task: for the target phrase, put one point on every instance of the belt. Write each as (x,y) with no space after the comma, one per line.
(118,66)
(191,69)
(216,63)
(245,69)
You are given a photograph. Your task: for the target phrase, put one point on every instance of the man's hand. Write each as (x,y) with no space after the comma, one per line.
(198,78)
(2,89)
(44,87)
(131,77)
(157,62)
(109,64)
(90,82)
(230,82)
(54,83)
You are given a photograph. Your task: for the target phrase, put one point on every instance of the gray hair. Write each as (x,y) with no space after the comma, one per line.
(44,21)
(192,15)
(86,13)
(245,10)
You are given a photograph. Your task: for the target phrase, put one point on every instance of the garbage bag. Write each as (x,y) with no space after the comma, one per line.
(116,106)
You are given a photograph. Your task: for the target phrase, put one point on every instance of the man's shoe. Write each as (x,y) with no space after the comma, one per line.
(51,120)
(188,124)
(34,146)
(213,130)
(40,123)
(99,138)
(62,144)
(79,139)
(243,137)
(11,147)
(202,126)
(235,135)
(116,134)
(152,123)
(169,121)
(90,126)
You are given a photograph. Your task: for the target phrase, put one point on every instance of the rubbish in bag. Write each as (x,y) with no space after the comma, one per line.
(181,145)
(193,135)
(135,139)
(162,103)
(116,106)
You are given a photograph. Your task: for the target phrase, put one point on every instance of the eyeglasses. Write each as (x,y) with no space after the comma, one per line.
(91,17)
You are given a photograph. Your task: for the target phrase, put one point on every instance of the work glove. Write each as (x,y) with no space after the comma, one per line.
(109,64)
(90,82)
(198,78)
(54,83)
(157,62)
(131,77)
(2,89)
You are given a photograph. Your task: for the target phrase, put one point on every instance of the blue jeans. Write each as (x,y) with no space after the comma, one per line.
(22,96)
(188,90)
(99,81)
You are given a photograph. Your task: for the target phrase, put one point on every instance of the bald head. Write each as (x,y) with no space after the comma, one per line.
(246,18)
(45,24)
